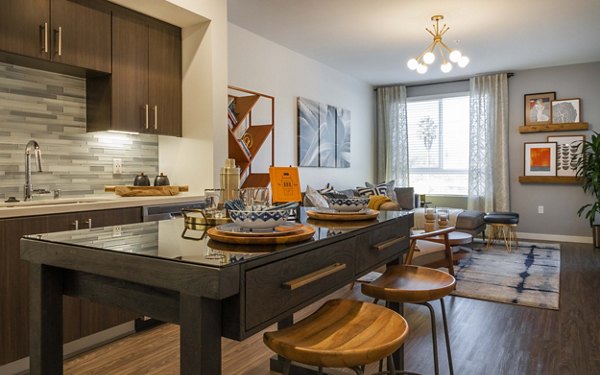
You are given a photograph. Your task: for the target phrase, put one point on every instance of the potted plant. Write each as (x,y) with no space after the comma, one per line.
(588,170)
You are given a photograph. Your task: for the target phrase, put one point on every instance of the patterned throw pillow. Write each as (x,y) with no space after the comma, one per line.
(317,199)
(368,191)
(327,189)
(385,188)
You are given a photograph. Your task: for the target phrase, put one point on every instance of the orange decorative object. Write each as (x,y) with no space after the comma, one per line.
(285,184)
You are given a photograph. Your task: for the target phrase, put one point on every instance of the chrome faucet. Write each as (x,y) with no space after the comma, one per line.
(32,146)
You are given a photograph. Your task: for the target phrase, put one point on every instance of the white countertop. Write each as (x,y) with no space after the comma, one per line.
(46,206)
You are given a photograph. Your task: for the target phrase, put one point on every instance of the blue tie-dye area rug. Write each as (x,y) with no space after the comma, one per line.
(529,276)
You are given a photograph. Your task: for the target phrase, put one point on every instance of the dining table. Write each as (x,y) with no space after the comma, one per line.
(175,273)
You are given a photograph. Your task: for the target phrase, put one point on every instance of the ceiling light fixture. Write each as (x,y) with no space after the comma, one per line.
(428,57)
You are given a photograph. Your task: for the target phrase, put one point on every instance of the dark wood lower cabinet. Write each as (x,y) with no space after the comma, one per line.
(81,318)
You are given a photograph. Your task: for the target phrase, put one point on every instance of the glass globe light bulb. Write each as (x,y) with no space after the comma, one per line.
(422,69)
(464,61)
(412,64)
(455,56)
(428,58)
(446,67)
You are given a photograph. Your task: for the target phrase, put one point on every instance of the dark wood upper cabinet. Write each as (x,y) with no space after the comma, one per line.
(72,32)
(129,81)
(25,27)
(164,75)
(81,34)
(145,85)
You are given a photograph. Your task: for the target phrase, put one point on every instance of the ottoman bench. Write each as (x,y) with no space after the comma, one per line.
(467,221)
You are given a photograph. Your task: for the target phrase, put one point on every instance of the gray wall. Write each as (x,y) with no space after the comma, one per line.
(560,202)
(50,108)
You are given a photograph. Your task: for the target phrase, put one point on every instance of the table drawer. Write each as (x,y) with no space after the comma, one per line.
(277,287)
(381,244)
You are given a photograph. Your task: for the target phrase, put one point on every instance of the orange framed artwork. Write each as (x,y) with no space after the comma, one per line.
(285,184)
(540,159)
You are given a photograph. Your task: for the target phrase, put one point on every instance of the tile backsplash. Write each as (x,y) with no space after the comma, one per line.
(50,108)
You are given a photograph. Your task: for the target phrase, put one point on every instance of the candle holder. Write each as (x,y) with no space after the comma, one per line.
(442,217)
(429,218)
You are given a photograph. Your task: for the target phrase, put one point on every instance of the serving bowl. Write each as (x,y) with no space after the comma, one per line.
(348,204)
(259,219)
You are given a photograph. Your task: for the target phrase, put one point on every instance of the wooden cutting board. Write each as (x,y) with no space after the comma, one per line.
(146,191)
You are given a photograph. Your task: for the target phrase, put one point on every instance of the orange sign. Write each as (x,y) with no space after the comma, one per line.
(285,184)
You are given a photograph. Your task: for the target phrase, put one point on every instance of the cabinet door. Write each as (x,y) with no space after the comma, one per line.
(130,107)
(25,27)
(96,317)
(14,291)
(81,34)
(164,77)
(14,288)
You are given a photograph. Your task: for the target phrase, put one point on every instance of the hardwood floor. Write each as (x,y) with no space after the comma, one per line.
(487,338)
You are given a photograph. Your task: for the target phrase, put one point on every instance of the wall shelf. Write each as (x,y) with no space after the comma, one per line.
(554,127)
(550,180)
(242,103)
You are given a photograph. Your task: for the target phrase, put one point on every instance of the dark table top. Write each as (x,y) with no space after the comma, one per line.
(167,239)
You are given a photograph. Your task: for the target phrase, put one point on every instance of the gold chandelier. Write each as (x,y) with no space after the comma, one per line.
(428,57)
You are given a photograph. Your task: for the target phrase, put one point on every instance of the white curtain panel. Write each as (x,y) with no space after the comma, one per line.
(392,135)
(488,154)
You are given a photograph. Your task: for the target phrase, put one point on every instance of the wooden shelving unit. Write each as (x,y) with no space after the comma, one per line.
(243,102)
(554,127)
(550,180)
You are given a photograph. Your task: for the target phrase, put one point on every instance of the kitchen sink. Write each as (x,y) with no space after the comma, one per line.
(51,202)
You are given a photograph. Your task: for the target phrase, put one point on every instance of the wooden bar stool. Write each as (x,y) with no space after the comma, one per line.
(342,333)
(419,285)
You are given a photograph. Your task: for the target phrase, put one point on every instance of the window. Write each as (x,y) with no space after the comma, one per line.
(438,144)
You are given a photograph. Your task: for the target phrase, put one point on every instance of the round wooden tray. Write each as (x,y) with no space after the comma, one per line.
(369,215)
(286,229)
(307,232)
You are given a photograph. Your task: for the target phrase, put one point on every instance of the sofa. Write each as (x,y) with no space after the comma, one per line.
(404,198)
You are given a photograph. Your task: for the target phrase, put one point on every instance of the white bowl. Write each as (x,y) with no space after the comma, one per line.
(348,204)
(259,219)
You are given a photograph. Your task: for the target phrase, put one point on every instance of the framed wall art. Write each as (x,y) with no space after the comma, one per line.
(540,159)
(568,152)
(538,108)
(566,111)
(323,135)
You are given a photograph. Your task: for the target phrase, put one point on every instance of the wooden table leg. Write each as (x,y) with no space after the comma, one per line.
(45,320)
(200,335)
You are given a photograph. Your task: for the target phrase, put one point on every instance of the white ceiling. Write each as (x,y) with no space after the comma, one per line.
(373,39)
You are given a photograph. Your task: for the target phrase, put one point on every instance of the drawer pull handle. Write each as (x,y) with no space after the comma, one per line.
(314,276)
(385,244)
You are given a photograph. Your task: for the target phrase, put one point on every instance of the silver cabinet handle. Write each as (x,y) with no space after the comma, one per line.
(155,117)
(44,37)
(75,224)
(384,245)
(89,223)
(146,106)
(59,41)
(313,276)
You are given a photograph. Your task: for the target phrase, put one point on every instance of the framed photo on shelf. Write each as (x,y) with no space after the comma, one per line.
(566,111)
(540,159)
(538,108)
(568,152)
